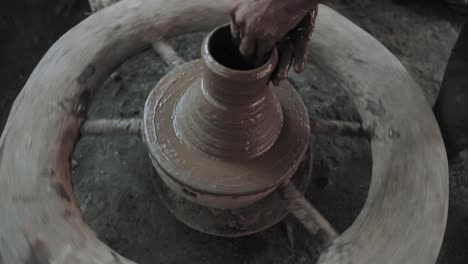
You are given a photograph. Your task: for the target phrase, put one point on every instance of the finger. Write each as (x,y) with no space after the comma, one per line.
(301,43)
(285,57)
(264,47)
(247,47)
(234,27)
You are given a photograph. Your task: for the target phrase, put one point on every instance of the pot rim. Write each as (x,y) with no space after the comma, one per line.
(258,73)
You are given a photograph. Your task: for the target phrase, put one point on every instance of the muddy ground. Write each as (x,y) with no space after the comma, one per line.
(110,175)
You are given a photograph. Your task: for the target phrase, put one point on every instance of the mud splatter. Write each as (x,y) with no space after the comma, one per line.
(89,70)
(375,108)
(82,107)
(67,214)
(61,191)
(48,173)
(39,254)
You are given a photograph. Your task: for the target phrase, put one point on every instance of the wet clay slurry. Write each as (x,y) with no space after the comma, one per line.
(224,138)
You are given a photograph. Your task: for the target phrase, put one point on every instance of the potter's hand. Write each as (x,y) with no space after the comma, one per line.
(259,25)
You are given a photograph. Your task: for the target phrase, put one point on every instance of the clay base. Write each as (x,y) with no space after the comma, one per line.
(232,223)
(216,182)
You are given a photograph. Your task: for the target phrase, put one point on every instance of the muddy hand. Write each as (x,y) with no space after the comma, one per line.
(260,25)
(294,48)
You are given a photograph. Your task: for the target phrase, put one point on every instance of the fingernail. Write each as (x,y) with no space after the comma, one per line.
(299,67)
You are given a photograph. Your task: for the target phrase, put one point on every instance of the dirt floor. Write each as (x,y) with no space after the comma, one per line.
(110,175)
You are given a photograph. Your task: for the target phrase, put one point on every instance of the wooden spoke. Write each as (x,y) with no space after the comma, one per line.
(338,128)
(307,214)
(167,53)
(104,127)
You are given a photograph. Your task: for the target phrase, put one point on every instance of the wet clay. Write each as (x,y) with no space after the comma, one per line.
(221,137)
(230,114)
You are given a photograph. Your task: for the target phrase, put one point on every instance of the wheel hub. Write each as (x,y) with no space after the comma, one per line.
(220,137)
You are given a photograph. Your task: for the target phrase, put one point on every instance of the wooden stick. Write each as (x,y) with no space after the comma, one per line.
(167,53)
(307,214)
(104,127)
(337,128)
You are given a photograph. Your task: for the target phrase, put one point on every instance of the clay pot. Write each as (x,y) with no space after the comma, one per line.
(219,134)
(233,113)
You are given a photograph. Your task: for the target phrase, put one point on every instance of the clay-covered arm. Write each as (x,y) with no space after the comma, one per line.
(259,25)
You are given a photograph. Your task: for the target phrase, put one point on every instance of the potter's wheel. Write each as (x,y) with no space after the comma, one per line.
(224,140)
